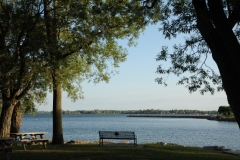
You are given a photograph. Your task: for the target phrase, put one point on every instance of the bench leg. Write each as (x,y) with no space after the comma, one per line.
(100,142)
(44,144)
(135,142)
(24,145)
(31,143)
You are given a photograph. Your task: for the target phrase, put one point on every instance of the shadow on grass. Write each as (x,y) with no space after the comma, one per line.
(92,152)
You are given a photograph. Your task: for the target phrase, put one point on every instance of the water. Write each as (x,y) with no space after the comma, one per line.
(183,131)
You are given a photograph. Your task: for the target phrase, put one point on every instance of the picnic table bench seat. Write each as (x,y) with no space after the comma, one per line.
(123,135)
(30,142)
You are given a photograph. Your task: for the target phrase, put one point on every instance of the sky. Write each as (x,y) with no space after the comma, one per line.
(134,87)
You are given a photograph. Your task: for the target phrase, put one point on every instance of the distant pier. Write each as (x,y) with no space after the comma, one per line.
(199,116)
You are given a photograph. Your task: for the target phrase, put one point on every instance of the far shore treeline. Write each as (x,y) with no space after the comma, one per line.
(147,111)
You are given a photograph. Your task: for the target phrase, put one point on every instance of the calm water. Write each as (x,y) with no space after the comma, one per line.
(187,132)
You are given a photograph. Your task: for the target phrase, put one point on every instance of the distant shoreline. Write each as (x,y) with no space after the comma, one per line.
(169,116)
(222,119)
(208,117)
(130,112)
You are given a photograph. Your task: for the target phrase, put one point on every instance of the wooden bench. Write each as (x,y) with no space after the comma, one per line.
(123,135)
(30,142)
(5,151)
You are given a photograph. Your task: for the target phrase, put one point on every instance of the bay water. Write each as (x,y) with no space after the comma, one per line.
(182,131)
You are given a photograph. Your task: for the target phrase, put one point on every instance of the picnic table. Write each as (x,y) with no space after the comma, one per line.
(4,147)
(35,137)
(22,135)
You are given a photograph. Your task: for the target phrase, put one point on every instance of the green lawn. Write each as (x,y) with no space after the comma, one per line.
(93,151)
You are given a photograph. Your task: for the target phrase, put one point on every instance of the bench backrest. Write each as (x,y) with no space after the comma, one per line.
(116,134)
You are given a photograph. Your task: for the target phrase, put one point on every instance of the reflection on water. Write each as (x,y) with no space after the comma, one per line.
(187,132)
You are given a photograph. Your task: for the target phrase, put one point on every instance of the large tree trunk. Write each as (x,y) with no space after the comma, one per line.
(217,32)
(5,119)
(51,28)
(229,72)
(16,120)
(57,113)
(230,78)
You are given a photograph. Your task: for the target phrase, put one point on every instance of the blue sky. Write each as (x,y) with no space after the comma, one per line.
(135,88)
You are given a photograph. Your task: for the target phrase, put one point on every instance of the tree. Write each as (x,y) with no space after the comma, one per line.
(40,40)
(86,32)
(213,30)
(21,59)
(27,105)
(225,110)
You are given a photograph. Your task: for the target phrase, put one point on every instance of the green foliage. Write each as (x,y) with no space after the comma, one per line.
(21,58)
(28,103)
(83,45)
(189,59)
(225,110)
(85,42)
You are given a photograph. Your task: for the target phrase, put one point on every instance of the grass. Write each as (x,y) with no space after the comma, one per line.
(93,152)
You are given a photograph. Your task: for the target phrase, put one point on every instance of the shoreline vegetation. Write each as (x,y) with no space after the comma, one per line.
(198,116)
(222,118)
(146,111)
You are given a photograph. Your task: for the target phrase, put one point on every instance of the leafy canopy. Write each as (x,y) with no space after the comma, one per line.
(188,60)
(87,34)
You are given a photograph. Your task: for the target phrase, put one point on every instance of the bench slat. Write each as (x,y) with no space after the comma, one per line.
(117,134)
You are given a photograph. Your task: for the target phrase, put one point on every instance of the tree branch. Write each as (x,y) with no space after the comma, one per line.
(204,23)
(234,16)
(25,91)
(224,30)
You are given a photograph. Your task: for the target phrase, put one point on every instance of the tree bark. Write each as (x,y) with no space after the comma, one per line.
(5,119)
(216,31)
(57,113)
(229,72)
(16,120)
(51,29)
(230,78)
